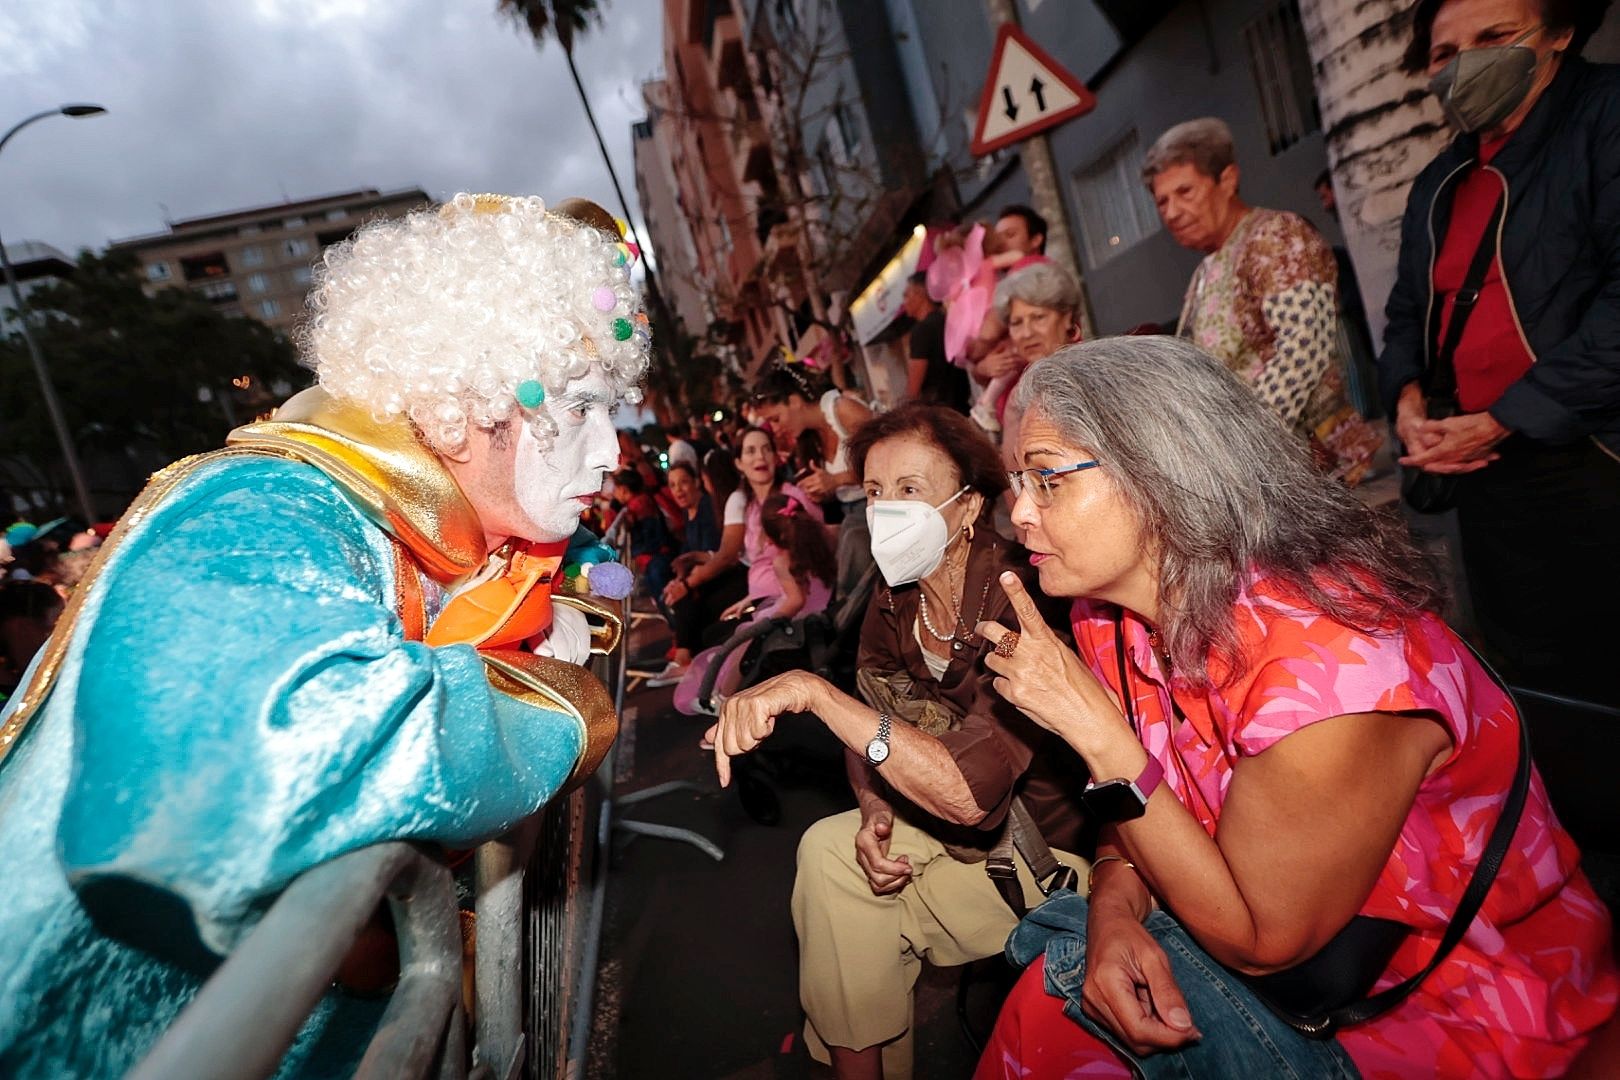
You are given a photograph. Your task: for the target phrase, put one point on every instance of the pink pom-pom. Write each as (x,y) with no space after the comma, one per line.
(604,299)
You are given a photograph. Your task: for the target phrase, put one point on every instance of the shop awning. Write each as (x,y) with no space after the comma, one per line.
(878,304)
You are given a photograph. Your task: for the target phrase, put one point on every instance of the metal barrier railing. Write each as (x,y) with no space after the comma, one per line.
(538,899)
(247,1015)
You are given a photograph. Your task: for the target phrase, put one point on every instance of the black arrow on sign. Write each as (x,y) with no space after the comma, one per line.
(1012,106)
(1038,88)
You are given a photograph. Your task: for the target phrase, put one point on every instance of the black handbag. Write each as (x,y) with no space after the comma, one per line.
(1435,493)
(1330,991)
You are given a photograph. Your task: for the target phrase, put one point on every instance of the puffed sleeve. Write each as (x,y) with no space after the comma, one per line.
(249,708)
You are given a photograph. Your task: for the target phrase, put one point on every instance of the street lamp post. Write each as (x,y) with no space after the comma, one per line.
(52,406)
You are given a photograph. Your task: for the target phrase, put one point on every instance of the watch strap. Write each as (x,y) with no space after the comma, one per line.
(1149,779)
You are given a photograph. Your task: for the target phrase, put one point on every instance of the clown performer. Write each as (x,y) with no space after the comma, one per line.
(321,636)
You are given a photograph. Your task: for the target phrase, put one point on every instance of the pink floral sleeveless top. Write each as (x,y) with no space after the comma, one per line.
(1535,974)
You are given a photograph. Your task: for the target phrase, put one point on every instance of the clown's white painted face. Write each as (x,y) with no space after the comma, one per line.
(552,487)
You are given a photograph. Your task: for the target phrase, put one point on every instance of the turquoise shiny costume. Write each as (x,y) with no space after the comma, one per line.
(237,703)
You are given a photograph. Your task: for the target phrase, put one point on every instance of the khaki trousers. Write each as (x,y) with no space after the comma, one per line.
(860,954)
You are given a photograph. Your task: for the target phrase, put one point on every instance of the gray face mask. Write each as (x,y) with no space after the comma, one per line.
(1480,88)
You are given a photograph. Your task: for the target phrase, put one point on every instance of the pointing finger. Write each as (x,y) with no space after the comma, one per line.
(1029,616)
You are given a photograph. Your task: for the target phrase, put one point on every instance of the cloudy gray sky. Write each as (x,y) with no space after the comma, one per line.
(216,105)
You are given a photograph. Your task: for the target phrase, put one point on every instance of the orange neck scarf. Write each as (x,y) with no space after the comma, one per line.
(508,609)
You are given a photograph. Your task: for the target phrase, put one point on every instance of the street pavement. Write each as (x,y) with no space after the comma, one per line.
(699,963)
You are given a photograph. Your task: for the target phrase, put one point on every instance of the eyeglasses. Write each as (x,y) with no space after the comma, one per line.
(1039,481)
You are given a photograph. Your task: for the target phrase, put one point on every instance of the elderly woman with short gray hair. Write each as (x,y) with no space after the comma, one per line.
(1293,754)
(1264,300)
(1040,307)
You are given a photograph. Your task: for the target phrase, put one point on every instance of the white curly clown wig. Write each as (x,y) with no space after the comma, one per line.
(474,313)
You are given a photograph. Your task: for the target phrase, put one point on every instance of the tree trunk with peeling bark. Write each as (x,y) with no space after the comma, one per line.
(1382,128)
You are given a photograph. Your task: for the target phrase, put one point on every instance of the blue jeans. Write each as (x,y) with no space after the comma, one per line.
(1242,1038)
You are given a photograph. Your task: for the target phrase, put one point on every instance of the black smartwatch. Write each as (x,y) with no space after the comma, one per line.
(1123,800)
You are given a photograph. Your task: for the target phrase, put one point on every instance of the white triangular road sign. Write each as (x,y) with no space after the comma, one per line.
(1026,92)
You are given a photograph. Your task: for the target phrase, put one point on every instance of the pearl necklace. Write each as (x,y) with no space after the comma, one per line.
(959,629)
(928,624)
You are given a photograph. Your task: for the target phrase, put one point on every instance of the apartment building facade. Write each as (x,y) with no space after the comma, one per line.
(259,262)
(36,265)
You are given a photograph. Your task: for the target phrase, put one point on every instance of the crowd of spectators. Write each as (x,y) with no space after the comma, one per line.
(1133,631)
(1154,683)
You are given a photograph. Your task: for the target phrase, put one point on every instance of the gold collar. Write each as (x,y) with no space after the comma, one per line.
(399,483)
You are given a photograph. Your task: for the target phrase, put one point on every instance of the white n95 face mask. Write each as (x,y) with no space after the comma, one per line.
(908,538)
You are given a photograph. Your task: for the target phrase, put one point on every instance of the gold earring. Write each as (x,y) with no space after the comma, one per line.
(968,528)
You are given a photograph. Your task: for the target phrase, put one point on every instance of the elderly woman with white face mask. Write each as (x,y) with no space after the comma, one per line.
(937,761)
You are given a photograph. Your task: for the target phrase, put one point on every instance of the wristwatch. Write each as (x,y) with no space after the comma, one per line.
(877,751)
(1121,800)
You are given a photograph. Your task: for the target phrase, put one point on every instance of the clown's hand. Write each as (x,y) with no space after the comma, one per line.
(569,638)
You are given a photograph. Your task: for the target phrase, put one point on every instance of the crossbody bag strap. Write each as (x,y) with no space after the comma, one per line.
(1507,823)
(1049,873)
(1441,383)
(1021,833)
(1002,870)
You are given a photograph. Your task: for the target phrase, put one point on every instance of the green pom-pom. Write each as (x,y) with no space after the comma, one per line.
(622,329)
(572,570)
(530,394)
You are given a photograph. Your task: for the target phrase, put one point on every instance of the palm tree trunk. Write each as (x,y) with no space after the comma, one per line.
(655,296)
(1382,128)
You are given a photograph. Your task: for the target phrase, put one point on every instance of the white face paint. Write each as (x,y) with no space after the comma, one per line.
(553,487)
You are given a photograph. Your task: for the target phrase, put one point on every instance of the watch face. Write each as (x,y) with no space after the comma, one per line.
(877,751)
(1114,800)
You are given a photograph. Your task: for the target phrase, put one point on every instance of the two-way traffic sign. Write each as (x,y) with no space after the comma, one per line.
(1027,92)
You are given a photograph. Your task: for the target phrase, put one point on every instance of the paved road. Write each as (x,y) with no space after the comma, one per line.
(699,972)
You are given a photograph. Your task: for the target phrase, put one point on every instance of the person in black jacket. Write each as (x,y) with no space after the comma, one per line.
(1536,442)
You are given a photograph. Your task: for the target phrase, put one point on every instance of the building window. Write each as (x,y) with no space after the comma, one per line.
(336,214)
(158,271)
(203,267)
(787,13)
(1281,66)
(1116,209)
(848,129)
(827,166)
(218,291)
(302,276)
(295,248)
(253,256)
(251,230)
(294,222)
(269,308)
(258,283)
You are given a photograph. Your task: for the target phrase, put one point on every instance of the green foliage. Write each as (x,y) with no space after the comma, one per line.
(128,367)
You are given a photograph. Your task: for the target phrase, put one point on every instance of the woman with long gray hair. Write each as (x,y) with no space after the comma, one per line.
(1292,753)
